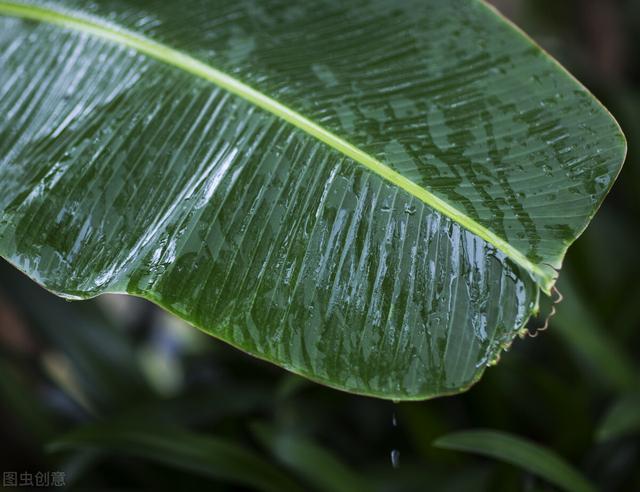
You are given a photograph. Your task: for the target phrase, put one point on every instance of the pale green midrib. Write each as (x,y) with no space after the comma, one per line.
(189,64)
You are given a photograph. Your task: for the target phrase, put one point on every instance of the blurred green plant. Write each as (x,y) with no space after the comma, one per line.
(220,459)
(622,419)
(520,452)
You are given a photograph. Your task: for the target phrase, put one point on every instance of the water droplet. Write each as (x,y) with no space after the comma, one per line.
(409,209)
(602,181)
(394,420)
(395,458)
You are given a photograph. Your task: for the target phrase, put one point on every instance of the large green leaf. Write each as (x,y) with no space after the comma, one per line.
(371,194)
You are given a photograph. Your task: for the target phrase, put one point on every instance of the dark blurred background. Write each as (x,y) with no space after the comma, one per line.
(115,394)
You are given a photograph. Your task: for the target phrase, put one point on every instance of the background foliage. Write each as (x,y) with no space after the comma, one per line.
(119,395)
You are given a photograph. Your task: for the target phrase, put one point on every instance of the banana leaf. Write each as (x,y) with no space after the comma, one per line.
(371,194)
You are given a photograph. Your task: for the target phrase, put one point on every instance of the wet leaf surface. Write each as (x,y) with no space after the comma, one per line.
(370,194)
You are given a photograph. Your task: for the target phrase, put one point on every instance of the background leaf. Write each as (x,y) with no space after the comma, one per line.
(578,328)
(217,458)
(520,452)
(622,419)
(322,470)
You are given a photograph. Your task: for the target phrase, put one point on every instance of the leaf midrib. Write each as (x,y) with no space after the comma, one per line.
(161,52)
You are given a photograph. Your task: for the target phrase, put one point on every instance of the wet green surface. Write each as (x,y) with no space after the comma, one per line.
(120,173)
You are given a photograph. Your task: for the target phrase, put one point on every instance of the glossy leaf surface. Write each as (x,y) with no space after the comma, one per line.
(371,194)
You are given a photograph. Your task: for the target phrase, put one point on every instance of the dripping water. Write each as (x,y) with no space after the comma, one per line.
(395,458)
(395,452)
